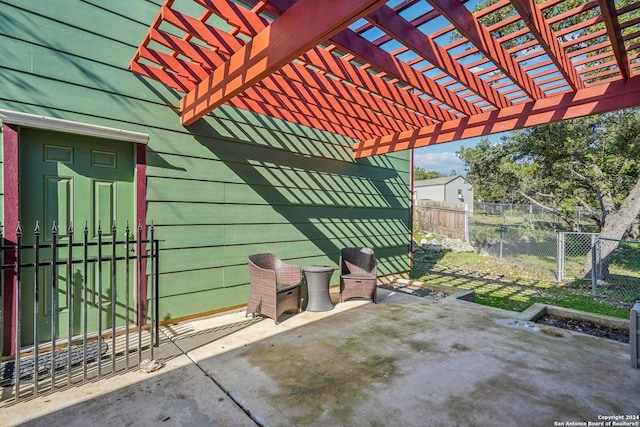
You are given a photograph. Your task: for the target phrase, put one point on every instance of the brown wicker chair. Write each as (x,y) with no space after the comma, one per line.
(275,286)
(358,274)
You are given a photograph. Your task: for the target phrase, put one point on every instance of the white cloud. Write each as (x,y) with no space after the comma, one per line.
(439,162)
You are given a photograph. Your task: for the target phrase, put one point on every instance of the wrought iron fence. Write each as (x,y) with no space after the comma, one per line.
(78,306)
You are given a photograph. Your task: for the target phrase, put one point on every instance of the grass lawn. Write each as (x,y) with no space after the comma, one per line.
(507,286)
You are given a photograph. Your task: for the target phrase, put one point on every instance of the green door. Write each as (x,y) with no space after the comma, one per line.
(73,179)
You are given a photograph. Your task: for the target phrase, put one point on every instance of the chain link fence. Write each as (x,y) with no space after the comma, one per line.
(531,249)
(557,255)
(512,214)
(566,256)
(616,276)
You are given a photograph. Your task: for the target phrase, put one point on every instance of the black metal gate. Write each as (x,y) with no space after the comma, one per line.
(76,350)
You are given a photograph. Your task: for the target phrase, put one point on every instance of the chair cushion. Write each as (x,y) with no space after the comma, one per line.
(281,287)
(358,276)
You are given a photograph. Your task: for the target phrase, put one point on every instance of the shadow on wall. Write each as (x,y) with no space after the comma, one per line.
(312,183)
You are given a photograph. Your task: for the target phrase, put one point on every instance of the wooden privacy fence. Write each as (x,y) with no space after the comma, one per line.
(446,218)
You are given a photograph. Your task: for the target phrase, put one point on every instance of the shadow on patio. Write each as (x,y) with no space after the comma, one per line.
(405,361)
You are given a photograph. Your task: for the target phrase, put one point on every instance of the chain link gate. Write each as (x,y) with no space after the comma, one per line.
(573,250)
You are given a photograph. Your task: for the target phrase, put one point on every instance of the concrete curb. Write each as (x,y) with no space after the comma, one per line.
(537,310)
(532,314)
(452,293)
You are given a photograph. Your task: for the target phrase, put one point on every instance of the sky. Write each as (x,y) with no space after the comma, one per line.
(442,157)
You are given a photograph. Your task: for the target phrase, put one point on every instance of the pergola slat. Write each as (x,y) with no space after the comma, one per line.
(385,62)
(226,43)
(248,22)
(256,106)
(321,82)
(394,25)
(286,89)
(532,16)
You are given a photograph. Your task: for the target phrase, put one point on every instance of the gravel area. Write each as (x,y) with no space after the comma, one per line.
(585,327)
(416,291)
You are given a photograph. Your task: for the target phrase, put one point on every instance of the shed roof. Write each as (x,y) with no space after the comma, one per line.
(398,74)
(444,180)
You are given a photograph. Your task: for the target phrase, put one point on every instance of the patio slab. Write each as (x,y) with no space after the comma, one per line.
(405,361)
(176,395)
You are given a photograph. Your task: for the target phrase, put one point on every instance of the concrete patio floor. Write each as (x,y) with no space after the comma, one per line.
(405,361)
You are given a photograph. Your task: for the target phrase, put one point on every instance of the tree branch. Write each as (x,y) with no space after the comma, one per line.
(535,202)
(549,195)
(599,219)
(580,176)
(556,212)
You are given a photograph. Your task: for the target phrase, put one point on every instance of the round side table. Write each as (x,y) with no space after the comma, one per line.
(318,277)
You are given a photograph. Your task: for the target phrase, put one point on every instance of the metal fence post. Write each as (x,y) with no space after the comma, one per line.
(634,332)
(594,273)
(560,256)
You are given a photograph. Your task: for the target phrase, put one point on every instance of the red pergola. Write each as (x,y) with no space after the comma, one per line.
(396,75)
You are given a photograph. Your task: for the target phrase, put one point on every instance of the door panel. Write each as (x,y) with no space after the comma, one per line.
(104,207)
(84,181)
(58,202)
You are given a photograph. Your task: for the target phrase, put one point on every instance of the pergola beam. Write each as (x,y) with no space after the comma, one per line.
(302,27)
(608,9)
(595,99)
(464,21)
(532,16)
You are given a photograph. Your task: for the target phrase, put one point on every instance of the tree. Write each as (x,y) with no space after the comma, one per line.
(419,173)
(494,176)
(592,162)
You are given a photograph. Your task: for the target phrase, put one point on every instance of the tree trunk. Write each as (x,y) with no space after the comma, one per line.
(615,226)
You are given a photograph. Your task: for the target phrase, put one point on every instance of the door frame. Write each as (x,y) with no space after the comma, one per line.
(11,123)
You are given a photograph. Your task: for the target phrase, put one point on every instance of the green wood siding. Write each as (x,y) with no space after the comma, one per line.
(232,184)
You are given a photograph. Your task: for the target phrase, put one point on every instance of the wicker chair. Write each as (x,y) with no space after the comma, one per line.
(358,274)
(275,286)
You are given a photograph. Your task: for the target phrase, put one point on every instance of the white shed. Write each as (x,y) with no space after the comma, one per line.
(445,189)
